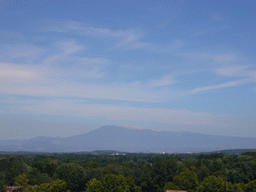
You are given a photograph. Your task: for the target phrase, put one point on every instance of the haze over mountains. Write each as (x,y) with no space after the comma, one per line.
(131,140)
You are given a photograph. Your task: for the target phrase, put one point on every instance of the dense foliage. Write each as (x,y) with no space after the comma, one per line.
(130,172)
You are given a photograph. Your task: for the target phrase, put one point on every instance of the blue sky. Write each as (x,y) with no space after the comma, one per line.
(68,67)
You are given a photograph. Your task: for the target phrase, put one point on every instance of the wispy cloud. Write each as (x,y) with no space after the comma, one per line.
(61,60)
(220,86)
(54,78)
(252,74)
(173,47)
(215,57)
(119,112)
(129,38)
(237,71)
(237,75)
(215,17)
(63,50)
(15,72)
(21,53)
(69,47)
(10,36)
(163,81)
(65,60)
(244,74)
(62,73)
(43,81)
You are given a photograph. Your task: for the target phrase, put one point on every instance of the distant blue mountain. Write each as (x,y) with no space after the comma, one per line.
(131,140)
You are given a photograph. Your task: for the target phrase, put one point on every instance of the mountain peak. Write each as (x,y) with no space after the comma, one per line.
(139,128)
(132,139)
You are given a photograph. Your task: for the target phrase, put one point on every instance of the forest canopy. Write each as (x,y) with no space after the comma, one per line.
(129,172)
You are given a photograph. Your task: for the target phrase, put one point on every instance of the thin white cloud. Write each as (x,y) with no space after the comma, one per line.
(220,86)
(252,74)
(64,50)
(64,74)
(122,38)
(237,71)
(44,81)
(232,70)
(69,47)
(172,47)
(83,29)
(21,52)
(10,36)
(163,81)
(16,72)
(119,112)
(218,57)
(215,17)
(62,59)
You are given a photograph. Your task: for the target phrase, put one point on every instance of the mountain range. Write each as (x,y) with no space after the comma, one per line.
(131,140)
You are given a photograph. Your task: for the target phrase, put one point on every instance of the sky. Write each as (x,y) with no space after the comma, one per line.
(69,67)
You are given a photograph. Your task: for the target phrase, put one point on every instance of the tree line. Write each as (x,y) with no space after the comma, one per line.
(214,172)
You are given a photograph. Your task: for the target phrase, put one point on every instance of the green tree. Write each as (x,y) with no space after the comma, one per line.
(73,174)
(91,165)
(55,186)
(11,167)
(164,171)
(186,180)
(114,169)
(38,178)
(21,180)
(211,184)
(171,186)
(251,186)
(2,181)
(90,173)
(202,172)
(119,183)
(94,185)
(49,165)
(238,187)
(141,174)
